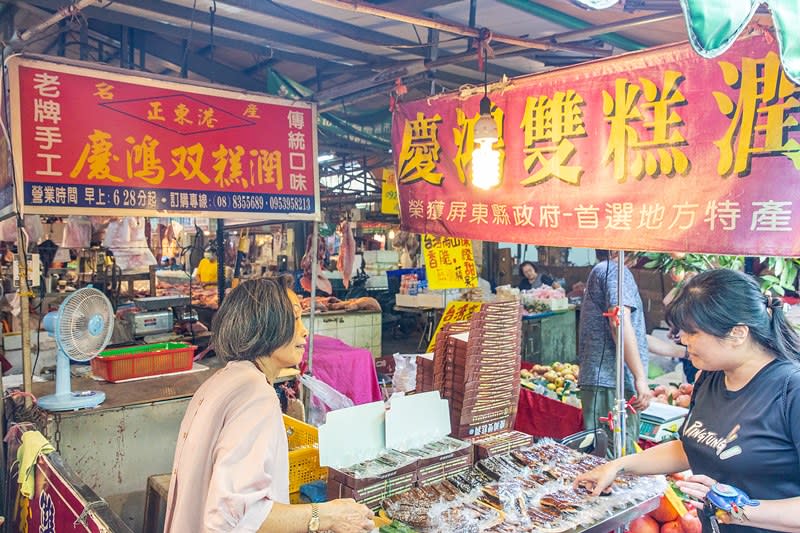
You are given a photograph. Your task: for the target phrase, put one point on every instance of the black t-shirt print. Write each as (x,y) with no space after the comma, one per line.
(748,438)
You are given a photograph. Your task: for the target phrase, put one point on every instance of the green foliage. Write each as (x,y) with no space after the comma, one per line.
(781,272)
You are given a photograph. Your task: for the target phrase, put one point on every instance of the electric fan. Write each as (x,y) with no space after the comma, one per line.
(82,327)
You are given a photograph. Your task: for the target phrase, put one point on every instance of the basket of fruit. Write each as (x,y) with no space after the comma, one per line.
(680,395)
(558,381)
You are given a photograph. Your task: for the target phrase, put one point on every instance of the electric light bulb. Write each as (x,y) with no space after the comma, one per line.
(391,234)
(485,165)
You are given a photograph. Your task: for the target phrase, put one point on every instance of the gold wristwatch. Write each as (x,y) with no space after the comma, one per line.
(313,524)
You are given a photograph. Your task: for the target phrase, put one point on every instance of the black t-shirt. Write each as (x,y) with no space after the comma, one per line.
(748,438)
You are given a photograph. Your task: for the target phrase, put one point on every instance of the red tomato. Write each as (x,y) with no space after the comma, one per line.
(690,523)
(672,527)
(645,524)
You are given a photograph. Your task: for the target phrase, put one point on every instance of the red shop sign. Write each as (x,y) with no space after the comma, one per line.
(89,141)
(656,150)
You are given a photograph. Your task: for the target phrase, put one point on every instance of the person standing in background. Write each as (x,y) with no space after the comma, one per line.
(597,347)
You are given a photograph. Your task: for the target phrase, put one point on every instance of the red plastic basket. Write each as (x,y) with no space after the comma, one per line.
(143,361)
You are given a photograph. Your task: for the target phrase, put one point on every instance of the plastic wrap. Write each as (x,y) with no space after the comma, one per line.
(404,378)
(527,490)
(323,398)
(77,232)
(126,238)
(386,462)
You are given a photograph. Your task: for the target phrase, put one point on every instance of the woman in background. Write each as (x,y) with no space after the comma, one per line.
(531,279)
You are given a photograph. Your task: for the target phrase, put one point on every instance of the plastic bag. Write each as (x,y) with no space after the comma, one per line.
(77,232)
(324,398)
(405,372)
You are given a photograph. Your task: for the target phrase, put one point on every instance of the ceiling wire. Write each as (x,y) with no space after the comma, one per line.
(185,63)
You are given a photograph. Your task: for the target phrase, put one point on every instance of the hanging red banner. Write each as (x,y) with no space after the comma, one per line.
(658,150)
(90,142)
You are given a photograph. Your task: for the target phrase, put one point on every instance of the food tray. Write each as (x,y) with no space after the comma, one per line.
(303,442)
(620,519)
(142,361)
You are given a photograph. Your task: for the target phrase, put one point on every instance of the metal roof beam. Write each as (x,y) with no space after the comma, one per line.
(318,22)
(153,26)
(568,21)
(202,38)
(438,24)
(172,53)
(202,18)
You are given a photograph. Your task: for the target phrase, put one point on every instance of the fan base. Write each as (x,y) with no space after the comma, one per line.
(72,401)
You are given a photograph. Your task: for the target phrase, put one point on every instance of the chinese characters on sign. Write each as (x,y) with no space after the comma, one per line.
(449,263)
(390,205)
(763,117)
(456,311)
(154,146)
(638,154)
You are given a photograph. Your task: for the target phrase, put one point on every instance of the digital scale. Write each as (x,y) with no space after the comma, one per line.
(660,422)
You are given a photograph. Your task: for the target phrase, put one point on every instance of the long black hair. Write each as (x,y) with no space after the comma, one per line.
(715,301)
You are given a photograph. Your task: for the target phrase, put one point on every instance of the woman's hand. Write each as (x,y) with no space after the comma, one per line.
(599,479)
(345,516)
(696,486)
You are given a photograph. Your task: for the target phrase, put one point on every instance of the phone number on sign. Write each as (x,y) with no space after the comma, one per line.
(290,204)
(247,202)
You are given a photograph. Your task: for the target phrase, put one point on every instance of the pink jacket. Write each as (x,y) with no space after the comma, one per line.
(231,461)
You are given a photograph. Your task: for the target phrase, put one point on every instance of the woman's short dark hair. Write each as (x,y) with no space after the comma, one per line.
(531,263)
(255,319)
(715,301)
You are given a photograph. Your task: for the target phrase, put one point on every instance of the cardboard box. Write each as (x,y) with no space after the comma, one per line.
(444,466)
(389,476)
(433,299)
(371,495)
(499,443)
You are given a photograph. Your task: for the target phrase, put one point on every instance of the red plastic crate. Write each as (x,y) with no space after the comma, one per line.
(143,361)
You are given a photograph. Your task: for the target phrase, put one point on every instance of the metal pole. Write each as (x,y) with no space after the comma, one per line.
(314,270)
(220,261)
(58,16)
(25,319)
(619,410)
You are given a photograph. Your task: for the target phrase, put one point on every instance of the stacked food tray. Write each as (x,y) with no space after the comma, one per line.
(485,371)
(499,443)
(529,490)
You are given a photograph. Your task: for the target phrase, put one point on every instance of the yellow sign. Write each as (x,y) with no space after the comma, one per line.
(390,203)
(454,312)
(449,263)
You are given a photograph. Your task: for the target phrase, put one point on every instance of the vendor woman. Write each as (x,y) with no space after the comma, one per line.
(531,278)
(231,469)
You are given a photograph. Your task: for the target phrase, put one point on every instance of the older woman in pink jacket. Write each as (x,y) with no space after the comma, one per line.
(231,467)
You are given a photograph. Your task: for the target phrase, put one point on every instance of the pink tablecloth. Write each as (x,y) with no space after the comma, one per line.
(349,370)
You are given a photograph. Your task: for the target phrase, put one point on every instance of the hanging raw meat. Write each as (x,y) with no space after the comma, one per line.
(347,253)
(323,284)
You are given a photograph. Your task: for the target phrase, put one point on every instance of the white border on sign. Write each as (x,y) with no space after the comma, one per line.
(13,64)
